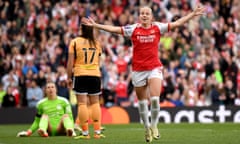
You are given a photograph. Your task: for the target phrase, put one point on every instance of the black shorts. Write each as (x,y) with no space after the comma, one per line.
(89,85)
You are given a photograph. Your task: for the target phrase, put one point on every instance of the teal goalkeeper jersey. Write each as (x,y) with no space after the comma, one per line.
(55,109)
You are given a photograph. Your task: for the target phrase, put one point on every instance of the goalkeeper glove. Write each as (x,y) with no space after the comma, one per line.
(24,133)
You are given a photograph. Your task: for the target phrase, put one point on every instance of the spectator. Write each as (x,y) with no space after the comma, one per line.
(10,79)
(34,93)
(237,101)
(175,98)
(41,79)
(29,65)
(201,101)
(2,94)
(25,82)
(230,92)
(62,87)
(121,61)
(217,72)
(191,94)
(9,99)
(166,103)
(121,91)
(109,93)
(17,95)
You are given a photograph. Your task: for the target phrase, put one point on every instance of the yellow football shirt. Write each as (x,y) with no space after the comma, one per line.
(87,60)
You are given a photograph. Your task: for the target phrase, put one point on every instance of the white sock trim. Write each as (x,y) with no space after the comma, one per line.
(155,102)
(155,108)
(143,112)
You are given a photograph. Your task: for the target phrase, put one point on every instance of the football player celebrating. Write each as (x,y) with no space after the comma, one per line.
(146,67)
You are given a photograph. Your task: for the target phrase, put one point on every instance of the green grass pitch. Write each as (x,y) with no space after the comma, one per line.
(184,133)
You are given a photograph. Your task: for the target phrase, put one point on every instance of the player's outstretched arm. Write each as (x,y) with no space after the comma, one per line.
(32,128)
(199,10)
(109,28)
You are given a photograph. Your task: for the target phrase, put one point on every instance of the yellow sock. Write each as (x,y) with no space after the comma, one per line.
(96,116)
(90,114)
(77,121)
(83,116)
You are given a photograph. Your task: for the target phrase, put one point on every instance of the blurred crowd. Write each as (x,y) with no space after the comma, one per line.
(201,59)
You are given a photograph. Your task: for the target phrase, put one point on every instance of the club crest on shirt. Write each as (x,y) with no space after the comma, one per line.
(59,107)
(152,31)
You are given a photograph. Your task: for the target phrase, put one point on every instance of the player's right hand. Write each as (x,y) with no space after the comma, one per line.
(88,21)
(24,134)
(69,83)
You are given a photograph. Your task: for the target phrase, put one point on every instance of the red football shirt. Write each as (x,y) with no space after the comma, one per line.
(145,44)
(121,65)
(121,89)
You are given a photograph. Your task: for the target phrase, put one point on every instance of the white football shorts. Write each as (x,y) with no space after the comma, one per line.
(139,78)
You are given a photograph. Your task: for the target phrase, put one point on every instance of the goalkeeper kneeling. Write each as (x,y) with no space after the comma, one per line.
(54,116)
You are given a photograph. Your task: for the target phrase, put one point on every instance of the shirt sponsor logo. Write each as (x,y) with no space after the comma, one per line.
(146,38)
